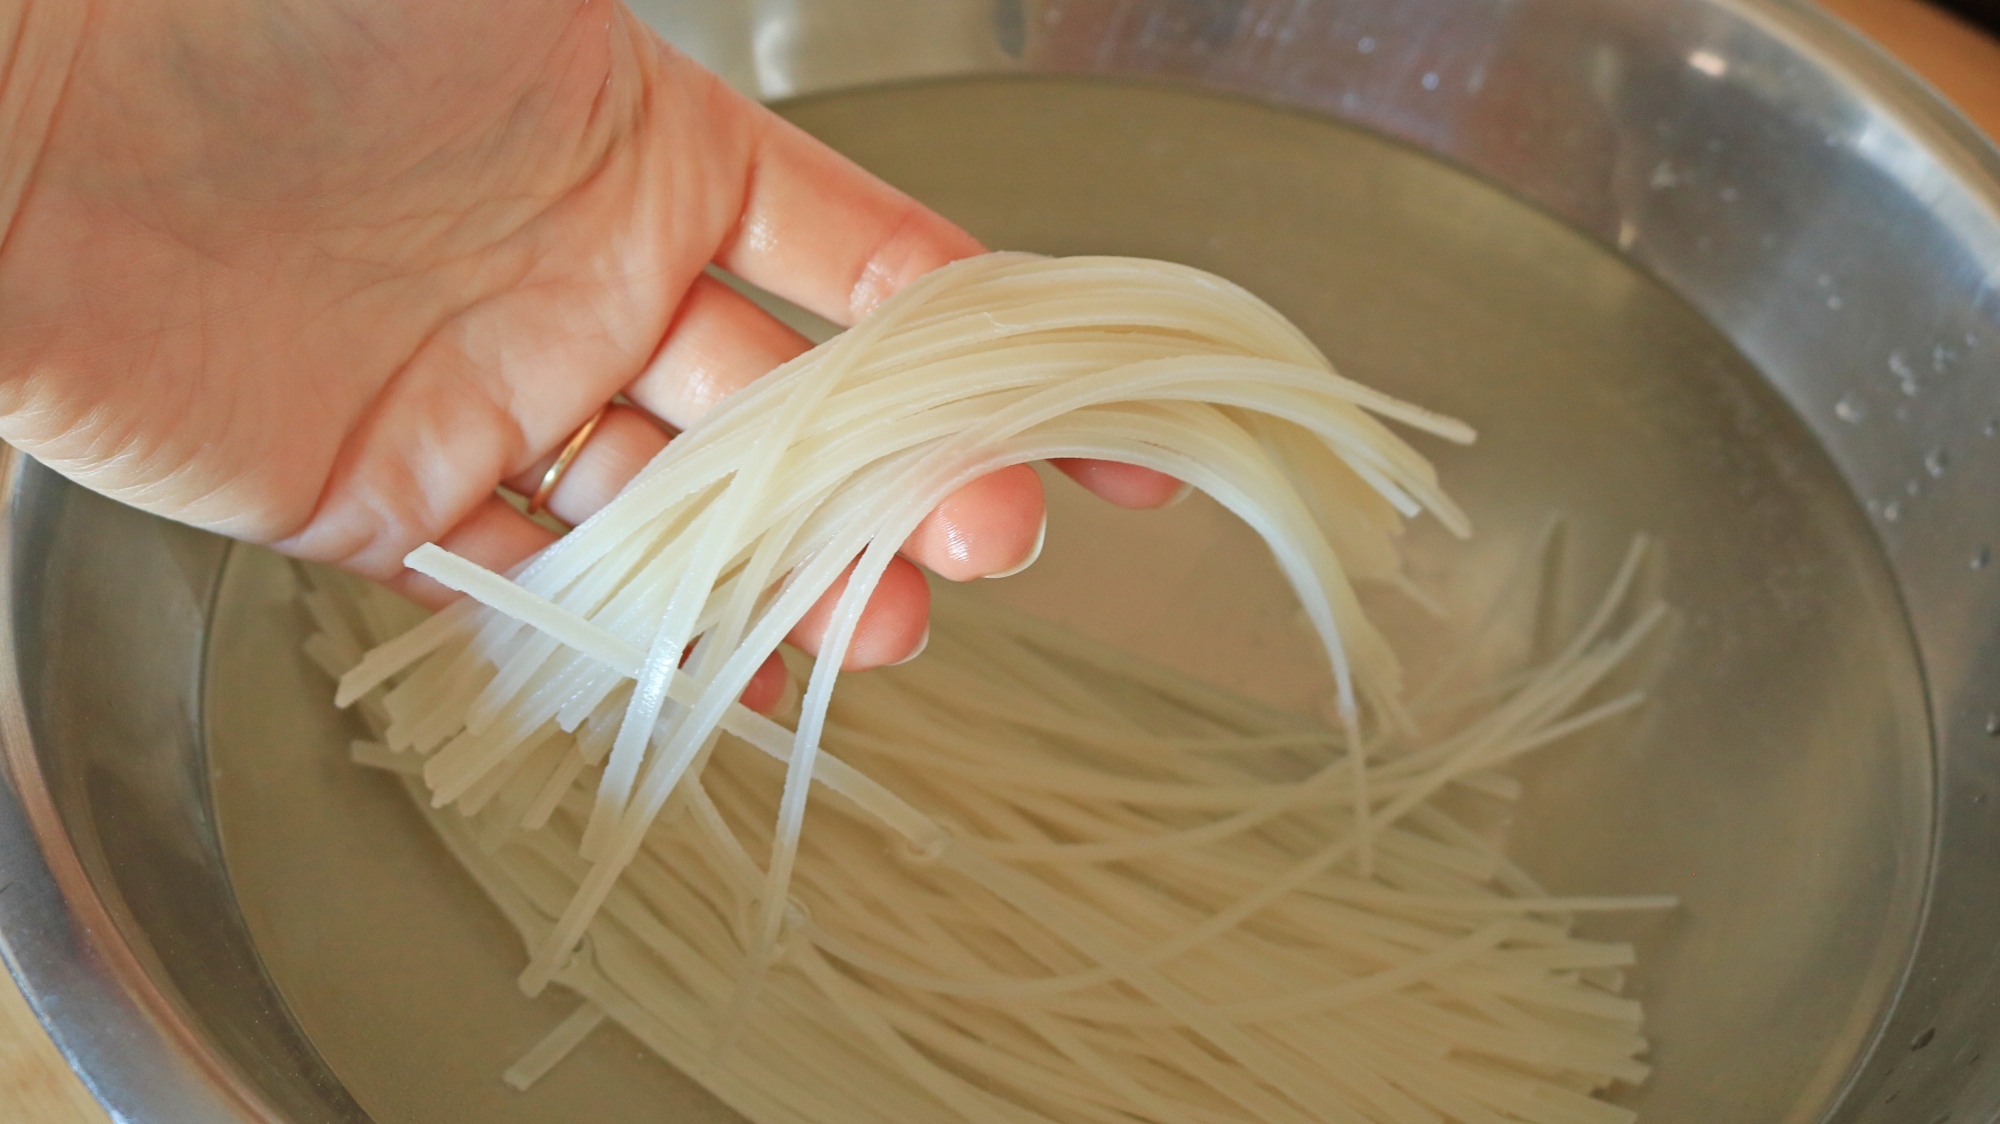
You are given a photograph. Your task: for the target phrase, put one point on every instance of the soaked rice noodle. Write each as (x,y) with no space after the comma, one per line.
(1047,881)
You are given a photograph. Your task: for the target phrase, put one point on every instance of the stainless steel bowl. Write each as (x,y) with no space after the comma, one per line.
(1817,209)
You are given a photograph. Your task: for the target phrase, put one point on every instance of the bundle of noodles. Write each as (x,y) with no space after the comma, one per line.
(1112,894)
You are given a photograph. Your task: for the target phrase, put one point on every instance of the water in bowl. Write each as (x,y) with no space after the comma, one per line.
(1780,783)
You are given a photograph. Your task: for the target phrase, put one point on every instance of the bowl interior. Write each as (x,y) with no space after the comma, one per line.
(1779,783)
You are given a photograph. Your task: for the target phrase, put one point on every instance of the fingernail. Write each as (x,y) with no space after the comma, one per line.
(1180,495)
(922,642)
(1041,537)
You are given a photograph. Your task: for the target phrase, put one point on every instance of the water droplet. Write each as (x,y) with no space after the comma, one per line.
(1663,176)
(1430,81)
(1913,486)
(1982,559)
(1849,409)
(1823,281)
(1941,357)
(1936,461)
(1729,195)
(1993,724)
(1367,45)
(1992,427)
(1892,511)
(1906,378)
(1834,303)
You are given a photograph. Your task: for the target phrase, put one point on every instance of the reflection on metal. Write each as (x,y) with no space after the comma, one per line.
(772,41)
(1709,63)
(118,916)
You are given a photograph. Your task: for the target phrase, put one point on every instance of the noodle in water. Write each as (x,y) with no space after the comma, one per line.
(1043,880)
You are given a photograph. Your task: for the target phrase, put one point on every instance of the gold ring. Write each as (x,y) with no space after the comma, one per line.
(563,460)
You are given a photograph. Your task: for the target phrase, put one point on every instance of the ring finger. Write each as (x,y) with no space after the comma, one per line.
(892,627)
(621,444)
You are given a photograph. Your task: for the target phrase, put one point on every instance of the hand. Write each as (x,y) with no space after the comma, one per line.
(321,273)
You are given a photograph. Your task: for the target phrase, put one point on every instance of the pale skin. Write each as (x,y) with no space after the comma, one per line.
(320,274)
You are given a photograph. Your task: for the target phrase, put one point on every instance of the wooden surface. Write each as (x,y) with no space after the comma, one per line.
(1954,58)
(37,1088)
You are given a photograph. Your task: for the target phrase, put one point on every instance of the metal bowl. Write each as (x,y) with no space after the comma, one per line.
(1830,235)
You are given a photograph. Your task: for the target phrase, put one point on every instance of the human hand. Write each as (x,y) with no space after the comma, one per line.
(321,274)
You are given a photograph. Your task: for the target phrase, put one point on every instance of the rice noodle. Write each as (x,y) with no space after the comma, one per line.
(1059,883)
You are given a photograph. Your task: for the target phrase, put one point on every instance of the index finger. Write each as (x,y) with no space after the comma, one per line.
(820,231)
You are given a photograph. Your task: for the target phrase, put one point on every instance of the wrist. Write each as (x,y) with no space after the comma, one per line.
(39,43)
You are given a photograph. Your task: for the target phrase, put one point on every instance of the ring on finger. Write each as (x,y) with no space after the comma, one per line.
(539,502)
